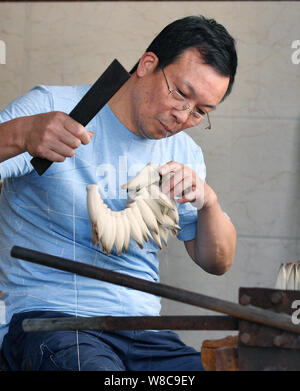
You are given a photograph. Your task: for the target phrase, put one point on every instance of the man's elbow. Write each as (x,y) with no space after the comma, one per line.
(217,263)
(224,255)
(220,269)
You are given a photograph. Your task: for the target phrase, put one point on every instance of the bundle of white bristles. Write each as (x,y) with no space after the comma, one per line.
(149,213)
(288,276)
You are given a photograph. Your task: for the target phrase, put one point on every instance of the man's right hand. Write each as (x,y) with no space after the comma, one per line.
(53,136)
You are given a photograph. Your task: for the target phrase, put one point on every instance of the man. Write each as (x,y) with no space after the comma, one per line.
(185,73)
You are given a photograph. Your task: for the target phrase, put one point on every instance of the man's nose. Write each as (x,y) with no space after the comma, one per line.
(181,116)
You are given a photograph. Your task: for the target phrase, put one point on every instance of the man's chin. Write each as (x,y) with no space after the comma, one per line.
(155,136)
(157,133)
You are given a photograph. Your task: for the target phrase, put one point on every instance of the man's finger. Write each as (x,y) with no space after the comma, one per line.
(54,156)
(183,187)
(190,197)
(184,175)
(62,149)
(77,130)
(170,166)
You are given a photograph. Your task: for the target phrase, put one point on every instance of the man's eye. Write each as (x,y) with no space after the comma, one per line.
(201,111)
(181,93)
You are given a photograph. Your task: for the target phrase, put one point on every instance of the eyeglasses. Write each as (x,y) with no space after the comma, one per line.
(181,103)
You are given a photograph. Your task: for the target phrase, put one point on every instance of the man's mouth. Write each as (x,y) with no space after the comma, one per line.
(167,131)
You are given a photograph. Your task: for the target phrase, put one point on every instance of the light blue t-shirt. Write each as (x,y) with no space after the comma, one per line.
(48,213)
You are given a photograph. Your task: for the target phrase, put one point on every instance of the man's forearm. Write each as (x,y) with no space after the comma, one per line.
(215,241)
(10,139)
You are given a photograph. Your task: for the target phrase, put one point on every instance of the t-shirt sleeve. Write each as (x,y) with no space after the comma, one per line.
(38,100)
(188,213)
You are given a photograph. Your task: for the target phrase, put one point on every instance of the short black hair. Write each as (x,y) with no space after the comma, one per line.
(213,41)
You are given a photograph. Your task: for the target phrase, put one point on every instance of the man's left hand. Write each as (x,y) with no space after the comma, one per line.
(186,184)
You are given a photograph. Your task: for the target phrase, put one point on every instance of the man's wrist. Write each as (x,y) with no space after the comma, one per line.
(207,200)
(20,128)
(198,204)
(11,139)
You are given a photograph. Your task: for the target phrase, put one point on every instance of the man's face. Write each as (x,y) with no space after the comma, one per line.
(153,115)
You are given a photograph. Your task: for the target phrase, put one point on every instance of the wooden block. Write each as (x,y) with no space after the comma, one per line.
(209,348)
(227,359)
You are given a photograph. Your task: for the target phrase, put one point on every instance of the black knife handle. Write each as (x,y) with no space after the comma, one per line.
(92,102)
(40,165)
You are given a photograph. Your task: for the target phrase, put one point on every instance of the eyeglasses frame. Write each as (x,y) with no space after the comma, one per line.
(187,102)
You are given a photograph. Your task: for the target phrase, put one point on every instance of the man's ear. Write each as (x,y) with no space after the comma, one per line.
(147,64)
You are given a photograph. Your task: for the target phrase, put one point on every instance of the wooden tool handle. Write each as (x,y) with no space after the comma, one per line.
(97,96)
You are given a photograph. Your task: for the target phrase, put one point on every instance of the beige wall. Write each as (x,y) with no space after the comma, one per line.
(252,154)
